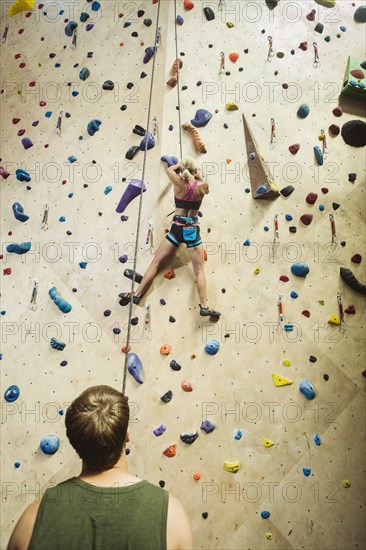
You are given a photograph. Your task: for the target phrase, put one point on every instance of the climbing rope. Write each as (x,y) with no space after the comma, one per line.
(157,35)
(178,76)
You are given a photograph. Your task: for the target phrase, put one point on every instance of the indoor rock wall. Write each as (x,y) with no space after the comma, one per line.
(233,389)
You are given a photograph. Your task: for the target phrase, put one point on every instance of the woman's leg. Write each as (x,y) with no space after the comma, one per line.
(196,254)
(164,250)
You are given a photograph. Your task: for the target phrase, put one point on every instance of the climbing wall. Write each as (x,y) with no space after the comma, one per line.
(313,492)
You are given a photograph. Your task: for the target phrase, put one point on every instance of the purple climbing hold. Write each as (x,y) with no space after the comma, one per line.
(134,366)
(27,143)
(179,20)
(123,259)
(171,161)
(89,27)
(201,118)
(63,363)
(107,313)
(149,52)
(131,192)
(207,426)
(159,430)
(116,330)
(148,142)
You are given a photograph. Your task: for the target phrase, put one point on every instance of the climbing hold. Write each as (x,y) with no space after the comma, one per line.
(352,177)
(346,483)
(326,377)
(49,444)
(148,142)
(189,438)
(286,363)
(256,271)
(303,110)
(70,27)
(134,366)
(360,14)
(337,111)
(280,380)
(171,319)
(84,73)
(317,440)
(294,294)
(318,155)
(239,434)
(284,278)
(319,27)
(202,117)
(334,319)
(188,5)
(246,242)
(306,313)
(19,212)
(108,189)
(174,365)
(167,397)
(169,274)
(356,258)
(62,305)
(265,514)
(231,106)
(230,25)
(209,13)
(196,476)
(334,130)
(165,349)
(300,269)
(294,148)
(306,219)
(179,20)
(311,198)
(159,430)
(303,46)
(57,344)
(311,16)
(186,386)
(27,143)
(354,133)
(350,310)
(207,426)
(22,248)
(171,161)
(306,471)
(269,536)
(12,393)
(286,191)
(212,347)
(267,442)
(307,389)
(335,205)
(4,173)
(234,57)
(232,467)
(131,192)
(321,207)
(149,52)
(170,451)
(132,152)
(147,22)
(84,16)
(93,126)
(108,85)
(312,359)
(288,217)
(95,6)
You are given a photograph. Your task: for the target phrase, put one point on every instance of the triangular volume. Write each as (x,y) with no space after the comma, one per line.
(263,187)
(267,442)
(280,380)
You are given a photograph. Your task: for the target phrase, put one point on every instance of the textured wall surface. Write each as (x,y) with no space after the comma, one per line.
(233,389)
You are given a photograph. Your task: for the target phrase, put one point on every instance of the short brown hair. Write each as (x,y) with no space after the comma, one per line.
(96,425)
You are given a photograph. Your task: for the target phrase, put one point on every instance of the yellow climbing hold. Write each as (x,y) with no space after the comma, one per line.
(268,536)
(334,319)
(256,271)
(232,466)
(231,106)
(286,363)
(274,186)
(20,5)
(280,380)
(229,24)
(326,3)
(321,302)
(346,483)
(267,442)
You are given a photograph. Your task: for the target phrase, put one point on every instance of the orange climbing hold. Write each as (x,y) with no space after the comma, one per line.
(228,161)
(204,255)
(234,57)
(124,349)
(170,451)
(165,349)
(169,274)
(188,5)
(196,476)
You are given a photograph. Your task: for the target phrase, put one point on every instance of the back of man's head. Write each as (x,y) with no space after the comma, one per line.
(96,425)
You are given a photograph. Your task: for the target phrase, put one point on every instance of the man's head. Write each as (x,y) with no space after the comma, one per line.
(96,425)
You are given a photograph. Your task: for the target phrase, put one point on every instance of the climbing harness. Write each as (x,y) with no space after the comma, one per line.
(147,321)
(277,235)
(341,311)
(280,310)
(333,227)
(74,40)
(33,300)
(316,55)
(45,217)
(273,130)
(58,124)
(222,63)
(270,48)
(5,34)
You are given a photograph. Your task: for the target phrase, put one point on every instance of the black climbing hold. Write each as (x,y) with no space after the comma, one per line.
(199,83)
(127,451)
(319,27)
(312,359)
(140,13)
(135,34)
(228,73)
(147,22)
(167,397)
(292,52)
(135,321)
(184,87)
(100,213)
(67,115)
(352,177)
(139,130)
(182,54)
(162,483)
(143,74)
(107,313)
(354,133)
(246,50)
(343,243)
(352,281)
(205,515)
(292,229)
(335,205)
(326,377)
(124,107)
(130,85)
(174,365)
(210,45)
(286,191)
(171,319)
(209,13)
(108,85)
(241,69)
(132,152)
(223,290)
(271,4)
(89,54)
(189,438)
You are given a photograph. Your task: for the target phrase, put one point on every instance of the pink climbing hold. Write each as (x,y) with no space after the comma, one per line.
(350,310)
(356,258)
(306,219)
(357,73)
(188,5)
(306,313)
(294,148)
(311,198)
(337,111)
(284,278)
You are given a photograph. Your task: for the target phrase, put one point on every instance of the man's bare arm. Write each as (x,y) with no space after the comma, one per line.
(23,530)
(179,533)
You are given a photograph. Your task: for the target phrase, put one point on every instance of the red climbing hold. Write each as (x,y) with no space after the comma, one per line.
(306,219)
(303,46)
(357,73)
(334,130)
(188,5)
(169,274)
(325,190)
(284,278)
(356,258)
(155,1)
(4,173)
(17,55)
(311,16)
(42,103)
(32,84)
(234,57)
(350,310)
(15,120)
(306,313)
(21,132)
(311,198)
(294,148)
(284,86)
(7,271)
(337,111)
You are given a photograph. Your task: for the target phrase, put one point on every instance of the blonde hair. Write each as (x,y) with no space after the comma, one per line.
(96,425)
(189,166)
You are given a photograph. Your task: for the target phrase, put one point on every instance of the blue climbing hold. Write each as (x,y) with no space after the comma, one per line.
(306,471)
(84,73)
(300,269)
(16,464)
(93,126)
(12,393)
(303,110)
(62,219)
(288,217)
(19,212)
(321,207)
(70,27)
(343,29)
(22,248)
(84,16)
(246,243)
(307,389)
(95,6)
(149,52)
(48,114)
(22,175)
(212,347)
(180,20)
(127,24)
(202,117)
(265,514)
(252,156)
(57,344)
(266,228)
(148,139)
(327,38)
(134,366)
(294,294)
(49,444)
(108,189)
(62,305)
(318,155)
(171,161)
(261,190)
(317,440)
(83,265)
(239,434)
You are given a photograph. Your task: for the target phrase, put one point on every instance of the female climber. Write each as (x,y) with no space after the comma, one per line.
(189,190)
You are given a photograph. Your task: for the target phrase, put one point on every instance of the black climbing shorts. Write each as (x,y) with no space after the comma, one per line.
(185,230)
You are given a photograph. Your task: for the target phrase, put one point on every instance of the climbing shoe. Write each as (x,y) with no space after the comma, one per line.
(126,298)
(208,312)
(129,274)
